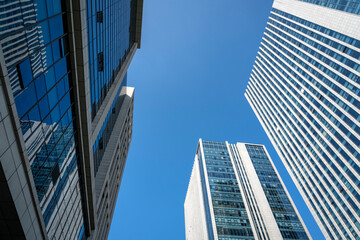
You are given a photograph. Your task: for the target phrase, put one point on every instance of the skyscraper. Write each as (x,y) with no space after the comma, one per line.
(304,89)
(235,192)
(65,114)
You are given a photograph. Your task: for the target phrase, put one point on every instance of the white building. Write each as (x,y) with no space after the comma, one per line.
(235,192)
(304,89)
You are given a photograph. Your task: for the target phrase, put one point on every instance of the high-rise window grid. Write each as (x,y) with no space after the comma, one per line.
(241,194)
(351,6)
(110,37)
(303,59)
(286,218)
(229,209)
(34,42)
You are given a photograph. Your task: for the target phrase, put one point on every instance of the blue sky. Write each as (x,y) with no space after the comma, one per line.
(190,77)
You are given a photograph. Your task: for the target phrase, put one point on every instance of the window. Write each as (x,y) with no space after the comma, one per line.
(100,59)
(55,173)
(99,16)
(101,145)
(24,73)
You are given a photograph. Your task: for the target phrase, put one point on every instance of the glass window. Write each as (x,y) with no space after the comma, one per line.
(56,50)
(50,78)
(60,69)
(54,7)
(56,27)
(25,100)
(44,29)
(53,98)
(34,114)
(25,72)
(44,107)
(40,86)
(41,12)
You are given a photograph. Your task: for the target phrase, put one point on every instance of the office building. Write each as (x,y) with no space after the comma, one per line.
(65,114)
(304,89)
(235,192)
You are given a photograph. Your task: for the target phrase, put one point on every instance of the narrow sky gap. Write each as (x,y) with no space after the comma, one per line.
(190,77)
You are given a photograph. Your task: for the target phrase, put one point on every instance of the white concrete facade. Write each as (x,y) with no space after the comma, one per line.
(195,219)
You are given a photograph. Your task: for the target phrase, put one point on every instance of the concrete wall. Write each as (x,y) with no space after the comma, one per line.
(195,219)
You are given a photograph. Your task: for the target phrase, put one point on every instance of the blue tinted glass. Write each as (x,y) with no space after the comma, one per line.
(25,71)
(44,107)
(61,87)
(34,114)
(44,28)
(65,104)
(53,98)
(60,69)
(40,86)
(54,7)
(36,63)
(114,33)
(41,12)
(49,56)
(56,50)
(25,100)
(50,78)
(55,30)
(55,114)
(48,120)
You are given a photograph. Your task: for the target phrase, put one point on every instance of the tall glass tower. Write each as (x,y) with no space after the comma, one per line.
(65,114)
(236,193)
(304,89)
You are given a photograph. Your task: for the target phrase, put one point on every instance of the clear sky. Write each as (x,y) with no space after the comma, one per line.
(190,77)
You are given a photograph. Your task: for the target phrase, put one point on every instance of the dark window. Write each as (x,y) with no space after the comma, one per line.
(61,48)
(100,58)
(55,173)
(99,16)
(101,145)
(24,73)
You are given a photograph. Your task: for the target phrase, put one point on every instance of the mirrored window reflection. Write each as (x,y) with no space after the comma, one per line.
(34,43)
(115,30)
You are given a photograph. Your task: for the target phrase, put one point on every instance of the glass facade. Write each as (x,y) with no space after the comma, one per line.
(284,213)
(351,6)
(304,88)
(231,218)
(34,42)
(111,34)
(243,196)
(107,127)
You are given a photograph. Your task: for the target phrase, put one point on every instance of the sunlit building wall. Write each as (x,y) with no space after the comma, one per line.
(235,192)
(304,89)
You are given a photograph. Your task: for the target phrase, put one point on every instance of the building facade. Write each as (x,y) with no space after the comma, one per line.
(304,88)
(65,114)
(236,193)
